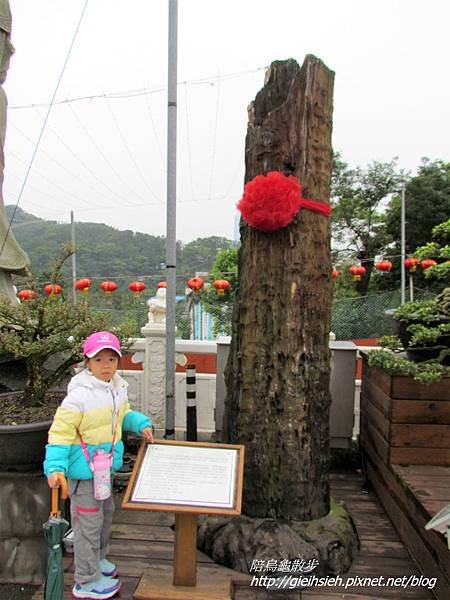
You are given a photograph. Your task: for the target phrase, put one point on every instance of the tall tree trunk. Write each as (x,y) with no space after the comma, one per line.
(366,260)
(278,371)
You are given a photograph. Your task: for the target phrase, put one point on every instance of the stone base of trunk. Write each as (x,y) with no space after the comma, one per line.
(271,547)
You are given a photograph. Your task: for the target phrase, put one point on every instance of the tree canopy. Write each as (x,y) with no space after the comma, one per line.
(359,198)
(427,203)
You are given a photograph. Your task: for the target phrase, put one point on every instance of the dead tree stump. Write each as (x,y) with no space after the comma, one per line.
(277,375)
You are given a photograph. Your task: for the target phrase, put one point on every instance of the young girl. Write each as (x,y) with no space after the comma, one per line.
(93,415)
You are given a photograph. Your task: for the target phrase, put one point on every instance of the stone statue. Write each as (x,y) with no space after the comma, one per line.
(12,258)
(157,307)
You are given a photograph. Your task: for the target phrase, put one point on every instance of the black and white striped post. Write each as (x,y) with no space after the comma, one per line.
(191,404)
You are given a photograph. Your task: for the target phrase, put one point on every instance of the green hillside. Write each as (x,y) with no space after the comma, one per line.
(103,251)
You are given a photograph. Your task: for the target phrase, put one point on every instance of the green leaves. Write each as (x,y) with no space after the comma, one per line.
(42,329)
(425,310)
(426,372)
(427,204)
(421,335)
(359,198)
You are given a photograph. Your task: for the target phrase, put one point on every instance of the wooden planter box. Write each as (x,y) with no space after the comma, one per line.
(405,422)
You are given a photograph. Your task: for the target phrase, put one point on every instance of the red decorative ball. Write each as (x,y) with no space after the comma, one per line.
(270,201)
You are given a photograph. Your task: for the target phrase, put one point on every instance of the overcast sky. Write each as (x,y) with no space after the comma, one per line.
(104,158)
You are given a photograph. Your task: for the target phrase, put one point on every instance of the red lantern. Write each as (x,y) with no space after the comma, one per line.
(137,287)
(108,287)
(161,284)
(52,289)
(411,264)
(335,273)
(427,263)
(221,286)
(26,295)
(357,271)
(83,285)
(384,265)
(196,284)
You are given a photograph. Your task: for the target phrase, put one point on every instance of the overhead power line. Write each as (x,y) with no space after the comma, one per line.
(150,114)
(188,141)
(127,148)
(143,91)
(62,166)
(123,202)
(44,124)
(56,185)
(102,154)
(213,158)
(46,194)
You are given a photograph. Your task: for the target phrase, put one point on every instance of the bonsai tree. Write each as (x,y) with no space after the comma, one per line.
(424,325)
(46,332)
(439,250)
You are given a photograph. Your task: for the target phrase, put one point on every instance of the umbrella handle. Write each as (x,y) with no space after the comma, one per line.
(63,485)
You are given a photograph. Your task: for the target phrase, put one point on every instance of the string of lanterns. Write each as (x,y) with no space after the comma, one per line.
(222,286)
(385,266)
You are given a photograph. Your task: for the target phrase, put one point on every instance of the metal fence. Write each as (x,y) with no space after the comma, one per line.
(365,317)
(136,315)
(351,318)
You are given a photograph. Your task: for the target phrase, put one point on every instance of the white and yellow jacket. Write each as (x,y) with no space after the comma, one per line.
(95,409)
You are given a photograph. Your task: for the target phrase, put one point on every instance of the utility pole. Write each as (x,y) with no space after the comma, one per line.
(403,243)
(74,257)
(171,240)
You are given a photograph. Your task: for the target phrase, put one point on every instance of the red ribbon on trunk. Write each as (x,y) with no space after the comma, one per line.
(272,201)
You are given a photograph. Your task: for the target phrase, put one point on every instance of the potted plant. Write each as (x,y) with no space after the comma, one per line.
(40,340)
(424,325)
(405,394)
(425,328)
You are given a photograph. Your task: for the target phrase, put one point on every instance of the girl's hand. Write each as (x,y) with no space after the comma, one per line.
(147,434)
(53,479)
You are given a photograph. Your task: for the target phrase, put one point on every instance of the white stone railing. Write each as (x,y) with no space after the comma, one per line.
(147,386)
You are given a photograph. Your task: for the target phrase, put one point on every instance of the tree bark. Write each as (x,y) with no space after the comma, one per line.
(366,260)
(277,375)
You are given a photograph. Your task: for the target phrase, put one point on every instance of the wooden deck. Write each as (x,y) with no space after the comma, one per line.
(412,495)
(404,422)
(145,539)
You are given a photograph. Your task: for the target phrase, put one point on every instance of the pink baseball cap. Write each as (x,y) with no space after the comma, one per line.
(99,341)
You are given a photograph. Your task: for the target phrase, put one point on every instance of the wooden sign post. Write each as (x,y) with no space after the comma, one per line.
(188,479)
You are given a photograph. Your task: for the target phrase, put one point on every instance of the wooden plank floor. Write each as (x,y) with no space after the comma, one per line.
(141,539)
(430,484)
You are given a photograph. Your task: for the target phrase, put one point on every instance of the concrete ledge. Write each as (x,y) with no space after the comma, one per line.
(24,508)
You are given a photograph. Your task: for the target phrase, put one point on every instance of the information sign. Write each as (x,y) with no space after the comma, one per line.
(192,477)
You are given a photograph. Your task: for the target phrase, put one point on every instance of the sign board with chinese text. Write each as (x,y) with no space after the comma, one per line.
(187,477)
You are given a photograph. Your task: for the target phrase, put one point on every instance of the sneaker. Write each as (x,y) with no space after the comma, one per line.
(108,568)
(100,589)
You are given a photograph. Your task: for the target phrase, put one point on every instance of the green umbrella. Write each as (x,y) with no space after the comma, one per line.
(54,530)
